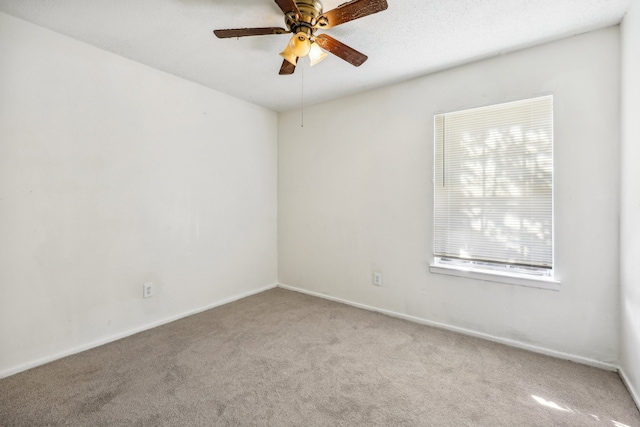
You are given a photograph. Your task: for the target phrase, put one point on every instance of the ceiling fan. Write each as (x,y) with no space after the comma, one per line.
(303,18)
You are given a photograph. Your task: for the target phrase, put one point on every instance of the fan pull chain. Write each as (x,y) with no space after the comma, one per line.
(302,97)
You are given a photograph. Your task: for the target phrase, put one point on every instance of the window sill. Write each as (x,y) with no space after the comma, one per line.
(492,276)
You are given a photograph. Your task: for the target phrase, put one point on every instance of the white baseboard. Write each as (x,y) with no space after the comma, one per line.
(632,391)
(115,337)
(506,341)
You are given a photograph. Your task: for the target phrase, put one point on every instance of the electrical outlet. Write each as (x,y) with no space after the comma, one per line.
(377,279)
(148,290)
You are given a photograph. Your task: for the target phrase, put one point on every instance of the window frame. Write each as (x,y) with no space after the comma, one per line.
(498,272)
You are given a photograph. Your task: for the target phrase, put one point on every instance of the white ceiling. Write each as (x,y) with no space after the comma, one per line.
(409,39)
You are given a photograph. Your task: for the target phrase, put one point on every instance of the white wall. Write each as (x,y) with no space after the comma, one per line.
(113,174)
(630,201)
(355,195)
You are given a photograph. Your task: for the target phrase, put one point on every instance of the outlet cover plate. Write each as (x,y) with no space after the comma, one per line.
(148,290)
(377,279)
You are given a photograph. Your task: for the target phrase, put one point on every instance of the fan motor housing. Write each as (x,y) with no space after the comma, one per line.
(309,7)
(309,12)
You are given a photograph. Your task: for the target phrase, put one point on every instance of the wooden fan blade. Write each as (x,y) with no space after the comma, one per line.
(287,67)
(243,32)
(288,6)
(341,50)
(351,10)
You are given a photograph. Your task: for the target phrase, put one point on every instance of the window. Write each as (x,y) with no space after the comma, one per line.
(493,189)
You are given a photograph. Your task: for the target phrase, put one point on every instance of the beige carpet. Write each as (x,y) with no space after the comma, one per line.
(281,358)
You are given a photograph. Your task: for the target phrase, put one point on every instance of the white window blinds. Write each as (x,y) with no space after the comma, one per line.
(494,185)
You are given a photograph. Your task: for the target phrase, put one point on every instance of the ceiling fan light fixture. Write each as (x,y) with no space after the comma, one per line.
(302,18)
(316,54)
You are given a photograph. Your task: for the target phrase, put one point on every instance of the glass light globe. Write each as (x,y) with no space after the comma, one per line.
(289,56)
(300,45)
(316,54)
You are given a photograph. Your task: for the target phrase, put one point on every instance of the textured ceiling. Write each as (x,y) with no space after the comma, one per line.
(410,38)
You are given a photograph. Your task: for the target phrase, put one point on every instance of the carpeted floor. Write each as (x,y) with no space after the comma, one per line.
(282,358)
